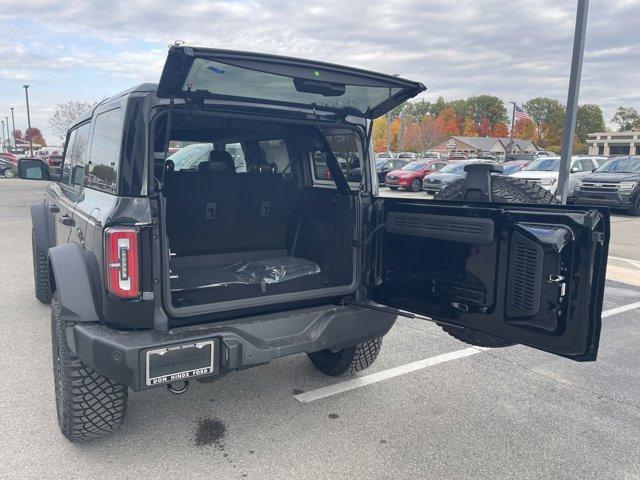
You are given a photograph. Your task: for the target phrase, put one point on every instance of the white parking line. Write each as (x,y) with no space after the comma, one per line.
(307,397)
(623,308)
(635,263)
(337,388)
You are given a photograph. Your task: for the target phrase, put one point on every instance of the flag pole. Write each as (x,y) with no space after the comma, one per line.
(513,121)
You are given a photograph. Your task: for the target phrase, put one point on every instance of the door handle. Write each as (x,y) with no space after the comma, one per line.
(66,220)
(53,208)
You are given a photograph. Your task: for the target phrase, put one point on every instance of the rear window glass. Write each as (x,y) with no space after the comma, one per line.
(233,81)
(621,165)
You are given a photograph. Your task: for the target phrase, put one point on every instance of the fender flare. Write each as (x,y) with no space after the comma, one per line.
(43,228)
(72,284)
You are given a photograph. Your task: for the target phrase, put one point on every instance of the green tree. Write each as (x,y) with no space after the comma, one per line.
(553,128)
(589,120)
(626,118)
(492,108)
(541,109)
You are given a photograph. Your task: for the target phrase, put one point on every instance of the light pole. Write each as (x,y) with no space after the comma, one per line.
(6,118)
(13,123)
(26,94)
(4,141)
(572,100)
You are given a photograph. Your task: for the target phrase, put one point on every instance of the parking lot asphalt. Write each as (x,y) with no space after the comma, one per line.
(501,413)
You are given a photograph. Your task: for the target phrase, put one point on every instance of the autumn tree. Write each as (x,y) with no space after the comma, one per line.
(484,127)
(525,129)
(379,134)
(18,135)
(500,130)
(65,114)
(469,127)
(541,109)
(447,122)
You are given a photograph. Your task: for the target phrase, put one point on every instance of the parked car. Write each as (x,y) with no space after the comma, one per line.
(544,153)
(385,156)
(514,166)
(408,155)
(7,169)
(385,165)
(456,157)
(615,184)
(410,176)
(435,182)
(54,162)
(527,157)
(158,277)
(545,172)
(432,155)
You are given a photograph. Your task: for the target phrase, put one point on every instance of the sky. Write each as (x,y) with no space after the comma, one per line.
(515,50)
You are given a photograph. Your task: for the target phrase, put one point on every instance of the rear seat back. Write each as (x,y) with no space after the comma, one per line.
(265,210)
(202,206)
(215,210)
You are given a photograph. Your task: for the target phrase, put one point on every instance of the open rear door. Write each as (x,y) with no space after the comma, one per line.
(531,274)
(208,73)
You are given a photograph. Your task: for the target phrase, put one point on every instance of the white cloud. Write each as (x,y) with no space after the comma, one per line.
(516,50)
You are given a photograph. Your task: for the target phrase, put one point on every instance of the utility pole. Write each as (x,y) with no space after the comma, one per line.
(572,100)
(13,123)
(4,141)
(6,118)
(26,94)
(513,122)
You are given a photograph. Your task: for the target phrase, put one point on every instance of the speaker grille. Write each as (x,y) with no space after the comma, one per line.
(524,277)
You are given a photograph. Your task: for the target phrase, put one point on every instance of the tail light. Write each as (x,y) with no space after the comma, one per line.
(121,261)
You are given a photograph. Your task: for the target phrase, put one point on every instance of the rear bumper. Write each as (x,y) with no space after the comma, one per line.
(606,199)
(121,355)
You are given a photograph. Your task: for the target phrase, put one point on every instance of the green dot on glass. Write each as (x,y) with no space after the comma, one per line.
(316,73)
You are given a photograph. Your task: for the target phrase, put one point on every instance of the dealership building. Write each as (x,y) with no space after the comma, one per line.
(475,145)
(614,143)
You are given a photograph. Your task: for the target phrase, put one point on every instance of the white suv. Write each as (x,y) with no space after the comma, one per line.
(545,171)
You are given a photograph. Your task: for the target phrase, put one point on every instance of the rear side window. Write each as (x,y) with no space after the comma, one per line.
(275,152)
(101,172)
(346,149)
(77,156)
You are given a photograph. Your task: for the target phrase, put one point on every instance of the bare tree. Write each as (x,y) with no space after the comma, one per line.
(65,114)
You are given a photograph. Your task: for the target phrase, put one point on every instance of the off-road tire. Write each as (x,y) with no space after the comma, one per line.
(416,185)
(504,190)
(89,405)
(348,360)
(41,273)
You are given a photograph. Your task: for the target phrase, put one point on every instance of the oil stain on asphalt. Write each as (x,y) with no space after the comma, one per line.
(210,431)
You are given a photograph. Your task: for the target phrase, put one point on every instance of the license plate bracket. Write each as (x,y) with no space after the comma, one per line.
(180,362)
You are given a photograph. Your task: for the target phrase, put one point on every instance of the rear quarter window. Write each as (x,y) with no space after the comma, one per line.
(101,171)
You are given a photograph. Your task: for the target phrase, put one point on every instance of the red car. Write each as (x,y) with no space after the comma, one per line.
(410,176)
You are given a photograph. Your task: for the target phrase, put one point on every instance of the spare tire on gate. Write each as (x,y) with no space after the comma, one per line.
(503,190)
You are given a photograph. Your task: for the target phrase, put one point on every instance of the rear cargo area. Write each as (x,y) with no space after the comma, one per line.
(246,221)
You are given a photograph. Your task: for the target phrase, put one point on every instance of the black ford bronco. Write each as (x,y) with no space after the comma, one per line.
(230,215)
